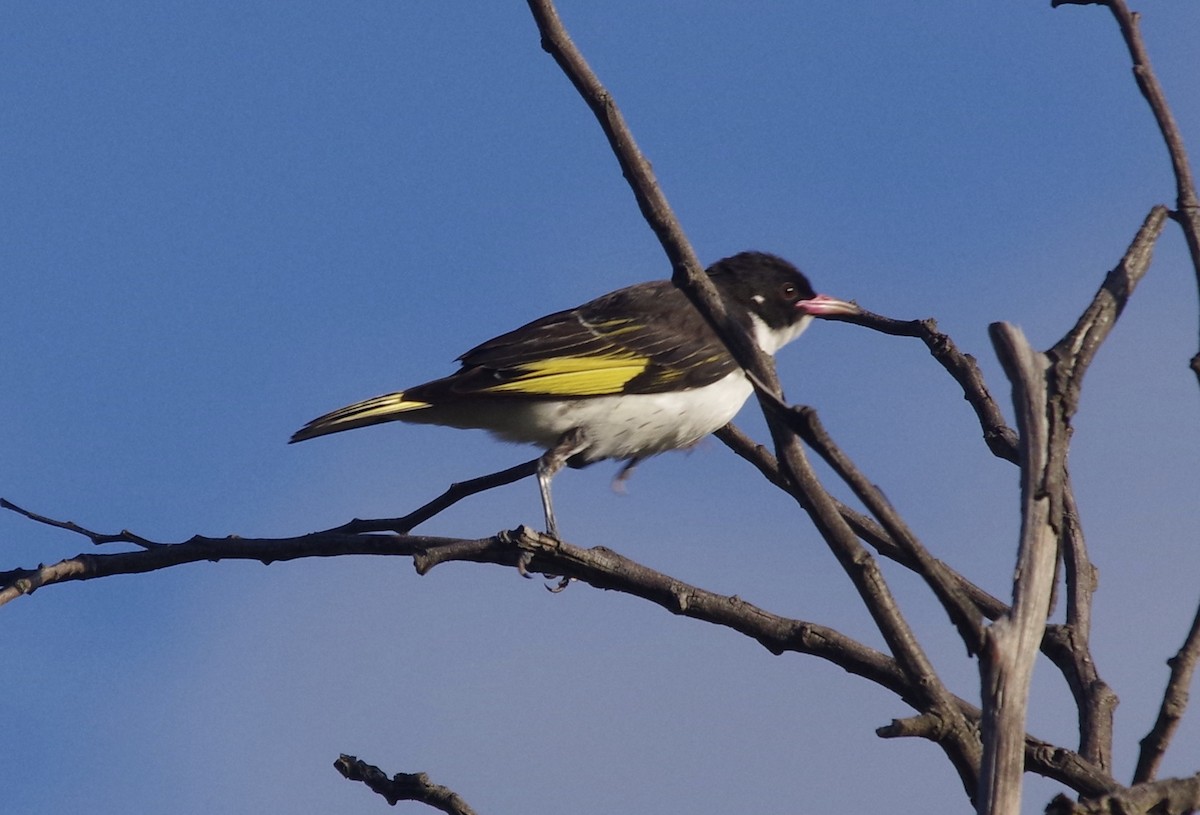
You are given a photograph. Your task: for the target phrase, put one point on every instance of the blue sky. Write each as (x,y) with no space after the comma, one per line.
(223,219)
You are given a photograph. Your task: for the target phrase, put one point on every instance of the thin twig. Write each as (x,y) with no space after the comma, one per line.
(1174,703)
(1094,699)
(963,613)
(1156,97)
(97,538)
(453,494)
(999,437)
(1073,354)
(865,527)
(1187,206)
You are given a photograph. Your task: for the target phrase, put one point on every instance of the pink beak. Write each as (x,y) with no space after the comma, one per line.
(823,305)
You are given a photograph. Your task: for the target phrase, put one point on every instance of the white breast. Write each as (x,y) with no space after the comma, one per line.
(620,427)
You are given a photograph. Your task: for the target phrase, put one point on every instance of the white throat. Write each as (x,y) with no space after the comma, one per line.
(772,339)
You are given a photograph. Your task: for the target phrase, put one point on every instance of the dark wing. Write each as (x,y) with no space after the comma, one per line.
(643,339)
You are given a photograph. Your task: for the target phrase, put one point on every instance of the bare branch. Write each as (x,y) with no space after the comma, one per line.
(599,567)
(866,528)
(97,538)
(636,169)
(688,272)
(1076,350)
(403,786)
(963,613)
(1060,643)
(1175,796)
(960,741)
(453,494)
(924,726)
(1156,97)
(1174,703)
(1072,356)
(1094,699)
(1011,643)
(999,437)
(962,748)
(1187,208)
(425,552)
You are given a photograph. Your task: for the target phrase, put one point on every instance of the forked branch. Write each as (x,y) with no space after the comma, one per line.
(599,567)
(1011,643)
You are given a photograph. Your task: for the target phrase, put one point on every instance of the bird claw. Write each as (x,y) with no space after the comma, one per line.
(563,582)
(525,561)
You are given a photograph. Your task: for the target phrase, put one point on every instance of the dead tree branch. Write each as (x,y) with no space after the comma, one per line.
(1187,206)
(1175,699)
(1011,643)
(961,744)
(1176,796)
(599,567)
(999,437)
(453,494)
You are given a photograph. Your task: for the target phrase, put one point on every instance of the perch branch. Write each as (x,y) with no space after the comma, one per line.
(599,567)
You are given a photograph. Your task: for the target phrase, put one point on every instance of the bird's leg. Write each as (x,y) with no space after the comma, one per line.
(618,482)
(571,443)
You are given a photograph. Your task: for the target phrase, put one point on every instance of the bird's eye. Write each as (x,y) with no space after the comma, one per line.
(789,292)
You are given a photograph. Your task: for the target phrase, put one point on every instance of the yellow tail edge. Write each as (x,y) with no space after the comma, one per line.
(379,409)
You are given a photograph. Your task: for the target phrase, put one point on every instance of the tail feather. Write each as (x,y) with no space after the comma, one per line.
(386,408)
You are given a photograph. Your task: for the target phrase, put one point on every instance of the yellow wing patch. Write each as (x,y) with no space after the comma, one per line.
(574,376)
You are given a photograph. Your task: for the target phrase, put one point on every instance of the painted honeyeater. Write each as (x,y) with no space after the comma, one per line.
(631,374)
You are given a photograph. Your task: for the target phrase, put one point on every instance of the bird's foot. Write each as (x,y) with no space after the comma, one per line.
(618,482)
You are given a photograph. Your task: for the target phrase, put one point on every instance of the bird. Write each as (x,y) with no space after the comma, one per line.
(631,374)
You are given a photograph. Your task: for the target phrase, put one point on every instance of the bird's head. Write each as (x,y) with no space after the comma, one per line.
(772,296)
